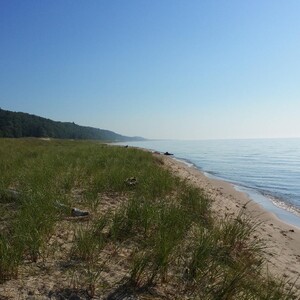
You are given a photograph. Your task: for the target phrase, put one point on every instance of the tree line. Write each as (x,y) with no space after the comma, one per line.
(19,124)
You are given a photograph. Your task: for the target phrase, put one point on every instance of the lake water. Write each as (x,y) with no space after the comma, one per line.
(267,169)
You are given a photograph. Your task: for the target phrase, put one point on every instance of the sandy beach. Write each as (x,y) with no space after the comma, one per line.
(282,240)
(57,272)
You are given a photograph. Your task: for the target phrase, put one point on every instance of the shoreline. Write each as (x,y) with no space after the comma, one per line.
(282,240)
(285,213)
(278,192)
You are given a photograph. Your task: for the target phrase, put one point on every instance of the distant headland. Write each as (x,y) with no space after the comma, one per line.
(19,124)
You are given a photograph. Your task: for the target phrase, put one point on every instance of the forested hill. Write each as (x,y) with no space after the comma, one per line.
(18,124)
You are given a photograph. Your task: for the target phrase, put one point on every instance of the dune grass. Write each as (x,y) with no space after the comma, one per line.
(172,236)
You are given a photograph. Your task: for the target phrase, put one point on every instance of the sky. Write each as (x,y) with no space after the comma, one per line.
(165,69)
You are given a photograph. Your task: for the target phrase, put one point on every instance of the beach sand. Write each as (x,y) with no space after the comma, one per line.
(282,240)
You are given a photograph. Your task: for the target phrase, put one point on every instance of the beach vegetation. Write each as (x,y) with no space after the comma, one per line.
(157,230)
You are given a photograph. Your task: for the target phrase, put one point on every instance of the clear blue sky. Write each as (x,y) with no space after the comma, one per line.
(158,69)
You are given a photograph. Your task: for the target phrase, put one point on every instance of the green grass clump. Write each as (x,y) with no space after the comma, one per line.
(89,241)
(224,259)
(10,258)
(166,224)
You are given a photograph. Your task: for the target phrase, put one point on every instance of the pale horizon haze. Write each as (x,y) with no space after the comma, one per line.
(158,69)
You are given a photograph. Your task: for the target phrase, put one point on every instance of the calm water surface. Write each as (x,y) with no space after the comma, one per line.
(260,167)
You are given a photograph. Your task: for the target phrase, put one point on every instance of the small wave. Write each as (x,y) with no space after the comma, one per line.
(283,210)
(284,205)
(185,161)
